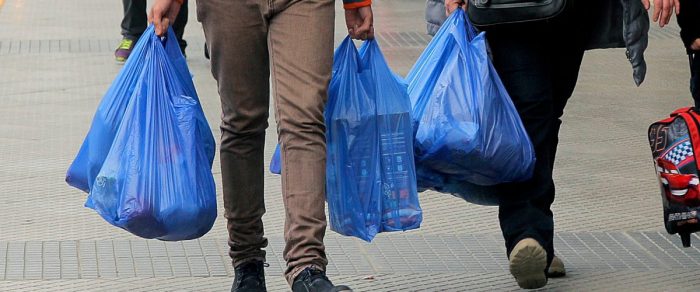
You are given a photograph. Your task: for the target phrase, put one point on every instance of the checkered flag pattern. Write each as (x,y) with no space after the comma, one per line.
(679,153)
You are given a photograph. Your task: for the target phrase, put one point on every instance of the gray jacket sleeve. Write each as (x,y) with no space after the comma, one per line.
(434,15)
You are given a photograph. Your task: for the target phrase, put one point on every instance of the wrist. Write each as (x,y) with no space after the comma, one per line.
(354,4)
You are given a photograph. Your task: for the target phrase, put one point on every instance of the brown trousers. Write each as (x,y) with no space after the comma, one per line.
(292,40)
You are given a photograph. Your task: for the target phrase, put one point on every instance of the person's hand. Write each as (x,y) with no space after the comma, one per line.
(695,46)
(360,23)
(163,13)
(663,10)
(452,5)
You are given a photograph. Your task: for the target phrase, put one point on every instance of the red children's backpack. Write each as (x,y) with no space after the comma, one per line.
(675,142)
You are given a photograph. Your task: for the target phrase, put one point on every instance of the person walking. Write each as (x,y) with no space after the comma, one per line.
(291,41)
(538,63)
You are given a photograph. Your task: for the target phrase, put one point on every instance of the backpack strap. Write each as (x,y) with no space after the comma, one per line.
(681,110)
(675,114)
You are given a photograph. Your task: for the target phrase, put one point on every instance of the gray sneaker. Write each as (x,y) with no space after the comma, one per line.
(528,260)
(556,268)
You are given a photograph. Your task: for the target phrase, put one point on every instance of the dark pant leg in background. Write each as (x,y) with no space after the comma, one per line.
(136,19)
(689,21)
(179,25)
(539,84)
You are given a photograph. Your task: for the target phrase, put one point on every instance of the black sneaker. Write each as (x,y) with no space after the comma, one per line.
(313,280)
(250,277)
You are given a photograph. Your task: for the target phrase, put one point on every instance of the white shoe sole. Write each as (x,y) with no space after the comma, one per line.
(528,260)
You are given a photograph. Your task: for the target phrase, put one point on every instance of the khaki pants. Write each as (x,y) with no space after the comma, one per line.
(292,40)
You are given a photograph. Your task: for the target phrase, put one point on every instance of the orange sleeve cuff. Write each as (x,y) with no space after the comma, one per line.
(355,5)
(180,1)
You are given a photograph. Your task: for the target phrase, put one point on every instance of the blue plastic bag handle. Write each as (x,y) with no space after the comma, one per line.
(471,30)
(349,51)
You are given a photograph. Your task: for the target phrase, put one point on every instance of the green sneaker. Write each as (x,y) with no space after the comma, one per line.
(124,50)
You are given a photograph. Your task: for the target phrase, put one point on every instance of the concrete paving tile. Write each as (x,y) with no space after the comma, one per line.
(125,267)
(156,248)
(180,266)
(198,266)
(144,267)
(175,249)
(161,267)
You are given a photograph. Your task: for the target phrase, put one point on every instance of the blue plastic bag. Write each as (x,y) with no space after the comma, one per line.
(154,177)
(276,162)
(82,172)
(467,129)
(371,185)
(371,180)
(352,170)
(400,205)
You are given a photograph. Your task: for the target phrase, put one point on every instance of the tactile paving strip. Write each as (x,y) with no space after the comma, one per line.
(588,280)
(430,254)
(414,39)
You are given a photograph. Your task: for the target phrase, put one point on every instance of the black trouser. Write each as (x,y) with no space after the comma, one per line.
(538,64)
(690,31)
(688,21)
(135,21)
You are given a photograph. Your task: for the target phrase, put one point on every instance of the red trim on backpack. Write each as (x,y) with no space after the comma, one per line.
(666,120)
(682,110)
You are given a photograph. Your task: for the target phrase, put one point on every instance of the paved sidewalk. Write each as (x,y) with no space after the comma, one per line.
(56,62)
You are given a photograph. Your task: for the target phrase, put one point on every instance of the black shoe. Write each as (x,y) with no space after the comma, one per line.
(313,280)
(250,277)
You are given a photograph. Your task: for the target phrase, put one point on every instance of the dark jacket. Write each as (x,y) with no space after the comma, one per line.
(616,24)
